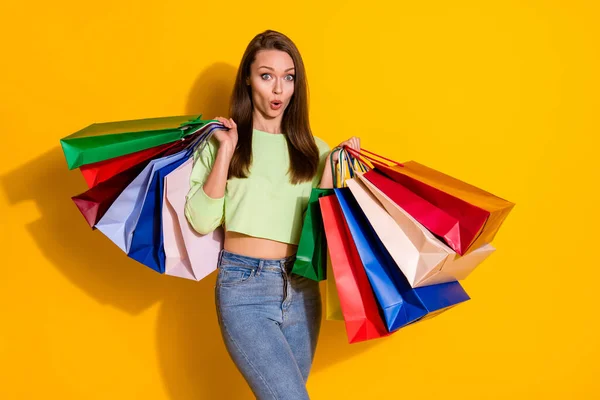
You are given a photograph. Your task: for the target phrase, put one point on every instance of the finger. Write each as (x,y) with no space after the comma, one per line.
(220,121)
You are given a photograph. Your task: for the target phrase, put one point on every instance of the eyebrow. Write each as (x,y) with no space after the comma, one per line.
(264,66)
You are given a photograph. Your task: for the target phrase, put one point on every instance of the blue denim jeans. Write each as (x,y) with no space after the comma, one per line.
(270,321)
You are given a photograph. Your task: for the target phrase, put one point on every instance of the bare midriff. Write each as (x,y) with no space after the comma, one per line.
(251,246)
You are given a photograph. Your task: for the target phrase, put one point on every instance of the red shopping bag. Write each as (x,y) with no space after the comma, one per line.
(359,307)
(102,170)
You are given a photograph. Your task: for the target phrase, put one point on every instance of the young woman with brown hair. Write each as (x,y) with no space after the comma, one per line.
(255,178)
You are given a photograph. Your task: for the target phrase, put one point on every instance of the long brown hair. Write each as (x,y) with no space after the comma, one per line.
(303,151)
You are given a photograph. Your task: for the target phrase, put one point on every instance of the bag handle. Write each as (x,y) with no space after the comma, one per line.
(347,164)
(357,157)
(364,153)
(354,161)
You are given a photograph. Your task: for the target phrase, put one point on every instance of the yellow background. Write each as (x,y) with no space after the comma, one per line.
(503,95)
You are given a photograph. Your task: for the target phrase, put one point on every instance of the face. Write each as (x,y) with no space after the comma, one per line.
(272,77)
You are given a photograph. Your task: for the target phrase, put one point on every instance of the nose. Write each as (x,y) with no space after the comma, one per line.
(277,88)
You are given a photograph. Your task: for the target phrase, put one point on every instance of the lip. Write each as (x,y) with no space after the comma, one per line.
(276,105)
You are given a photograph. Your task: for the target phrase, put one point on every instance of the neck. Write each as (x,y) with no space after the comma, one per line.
(266,124)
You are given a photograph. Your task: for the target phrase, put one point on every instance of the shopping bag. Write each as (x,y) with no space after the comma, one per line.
(188,254)
(332,298)
(400,303)
(422,258)
(147,241)
(102,170)
(361,314)
(311,255)
(478,214)
(102,141)
(95,202)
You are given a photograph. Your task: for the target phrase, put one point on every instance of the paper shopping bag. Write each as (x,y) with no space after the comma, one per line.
(360,310)
(333,306)
(147,240)
(102,170)
(188,254)
(102,141)
(311,255)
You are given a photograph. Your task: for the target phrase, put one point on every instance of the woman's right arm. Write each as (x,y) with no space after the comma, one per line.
(205,201)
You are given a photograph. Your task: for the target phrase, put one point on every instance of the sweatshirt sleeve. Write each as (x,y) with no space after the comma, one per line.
(204,213)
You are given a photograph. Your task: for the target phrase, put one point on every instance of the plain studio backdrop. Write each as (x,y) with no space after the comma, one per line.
(501,94)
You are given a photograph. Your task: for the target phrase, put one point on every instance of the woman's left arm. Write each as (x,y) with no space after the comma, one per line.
(327,178)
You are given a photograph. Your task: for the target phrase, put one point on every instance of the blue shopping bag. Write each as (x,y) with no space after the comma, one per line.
(399,304)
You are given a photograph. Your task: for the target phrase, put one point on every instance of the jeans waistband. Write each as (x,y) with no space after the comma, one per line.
(255,262)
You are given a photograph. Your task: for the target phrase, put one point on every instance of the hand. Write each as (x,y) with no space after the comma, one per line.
(353,143)
(227,138)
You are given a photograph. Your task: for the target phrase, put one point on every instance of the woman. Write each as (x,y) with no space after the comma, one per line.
(255,179)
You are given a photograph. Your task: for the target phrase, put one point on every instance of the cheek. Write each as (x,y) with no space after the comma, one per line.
(261,92)
(290,93)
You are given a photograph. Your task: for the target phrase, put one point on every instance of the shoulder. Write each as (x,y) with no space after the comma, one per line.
(322,145)
(207,150)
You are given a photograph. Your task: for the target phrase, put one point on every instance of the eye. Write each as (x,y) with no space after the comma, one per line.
(266,74)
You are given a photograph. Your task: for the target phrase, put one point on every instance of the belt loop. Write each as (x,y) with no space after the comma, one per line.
(260,267)
(220,257)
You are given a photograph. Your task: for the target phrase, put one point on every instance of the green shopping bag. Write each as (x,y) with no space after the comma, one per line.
(103,141)
(311,257)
